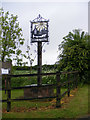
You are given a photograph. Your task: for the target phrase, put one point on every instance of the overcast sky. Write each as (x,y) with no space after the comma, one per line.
(63,18)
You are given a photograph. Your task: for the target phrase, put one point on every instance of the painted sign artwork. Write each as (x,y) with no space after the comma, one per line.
(39,31)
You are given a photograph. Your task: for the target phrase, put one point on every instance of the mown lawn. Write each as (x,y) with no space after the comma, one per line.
(74,106)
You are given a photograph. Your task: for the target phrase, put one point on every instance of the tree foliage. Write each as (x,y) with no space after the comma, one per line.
(74,52)
(11,37)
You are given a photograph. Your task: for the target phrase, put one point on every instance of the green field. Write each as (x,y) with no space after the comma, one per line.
(22,81)
(74,106)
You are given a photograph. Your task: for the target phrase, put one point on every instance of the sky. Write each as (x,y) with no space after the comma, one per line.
(63,15)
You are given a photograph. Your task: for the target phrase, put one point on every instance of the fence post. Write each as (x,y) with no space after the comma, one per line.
(58,91)
(8,93)
(68,77)
(76,80)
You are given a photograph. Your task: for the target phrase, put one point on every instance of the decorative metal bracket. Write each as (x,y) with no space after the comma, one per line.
(40,19)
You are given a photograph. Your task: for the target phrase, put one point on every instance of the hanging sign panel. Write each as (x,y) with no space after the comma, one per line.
(39,30)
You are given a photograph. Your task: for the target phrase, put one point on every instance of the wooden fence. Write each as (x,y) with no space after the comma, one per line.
(58,86)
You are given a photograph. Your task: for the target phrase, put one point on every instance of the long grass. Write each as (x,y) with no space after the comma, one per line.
(76,106)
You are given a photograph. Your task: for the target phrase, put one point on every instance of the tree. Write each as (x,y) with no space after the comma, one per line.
(74,52)
(11,37)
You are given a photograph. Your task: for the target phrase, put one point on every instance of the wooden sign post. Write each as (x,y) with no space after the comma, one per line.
(39,34)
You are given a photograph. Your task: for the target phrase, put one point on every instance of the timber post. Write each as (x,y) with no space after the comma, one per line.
(68,77)
(58,91)
(39,63)
(76,80)
(8,93)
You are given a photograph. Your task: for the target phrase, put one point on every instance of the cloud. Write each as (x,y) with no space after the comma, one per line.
(44,0)
(64,17)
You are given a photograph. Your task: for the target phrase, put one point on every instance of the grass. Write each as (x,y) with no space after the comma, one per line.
(74,106)
(20,93)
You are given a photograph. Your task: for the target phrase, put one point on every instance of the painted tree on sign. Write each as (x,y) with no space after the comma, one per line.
(11,36)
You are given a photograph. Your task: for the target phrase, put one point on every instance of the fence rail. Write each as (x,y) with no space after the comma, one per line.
(58,86)
(42,74)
